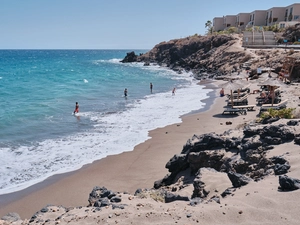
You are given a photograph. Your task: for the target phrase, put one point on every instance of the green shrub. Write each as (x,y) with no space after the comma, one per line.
(286,113)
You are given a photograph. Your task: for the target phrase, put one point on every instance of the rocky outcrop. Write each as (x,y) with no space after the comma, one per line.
(130,57)
(213,56)
(243,159)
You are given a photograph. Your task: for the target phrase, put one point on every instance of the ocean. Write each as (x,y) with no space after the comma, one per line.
(40,136)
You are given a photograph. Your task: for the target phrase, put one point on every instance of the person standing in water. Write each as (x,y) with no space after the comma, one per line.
(151,87)
(125,92)
(76,108)
(173,91)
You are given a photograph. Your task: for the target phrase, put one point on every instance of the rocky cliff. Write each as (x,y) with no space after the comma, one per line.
(212,56)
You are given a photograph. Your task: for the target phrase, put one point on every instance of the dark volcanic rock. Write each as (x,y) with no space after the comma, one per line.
(130,57)
(210,159)
(99,194)
(288,183)
(170,197)
(204,142)
(280,169)
(237,179)
(297,139)
(177,163)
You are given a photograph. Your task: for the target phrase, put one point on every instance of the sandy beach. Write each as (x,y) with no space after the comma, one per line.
(139,168)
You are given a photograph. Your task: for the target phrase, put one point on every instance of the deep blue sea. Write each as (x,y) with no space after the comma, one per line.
(40,136)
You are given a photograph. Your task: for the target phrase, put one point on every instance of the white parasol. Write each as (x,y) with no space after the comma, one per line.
(272,83)
(232,86)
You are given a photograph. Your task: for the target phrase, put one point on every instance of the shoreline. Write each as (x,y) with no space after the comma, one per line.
(35,197)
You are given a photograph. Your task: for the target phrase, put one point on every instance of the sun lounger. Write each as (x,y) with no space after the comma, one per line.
(233,111)
(236,95)
(241,101)
(244,89)
(280,105)
(246,107)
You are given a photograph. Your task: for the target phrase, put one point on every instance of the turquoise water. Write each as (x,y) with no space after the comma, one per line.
(40,137)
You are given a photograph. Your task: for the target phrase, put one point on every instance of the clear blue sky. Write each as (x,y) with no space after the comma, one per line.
(111,24)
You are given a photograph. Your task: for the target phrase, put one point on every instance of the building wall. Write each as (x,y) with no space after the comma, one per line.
(229,21)
(218,23)
(275,15)
(258,17)
(293,12)
(272,16)
(242,20)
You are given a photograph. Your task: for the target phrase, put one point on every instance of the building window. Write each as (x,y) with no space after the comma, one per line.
(296,17)
(282,25)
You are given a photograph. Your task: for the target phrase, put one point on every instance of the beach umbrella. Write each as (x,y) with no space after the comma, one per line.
(232,86)
(267,75)
(272,83)
(236,76)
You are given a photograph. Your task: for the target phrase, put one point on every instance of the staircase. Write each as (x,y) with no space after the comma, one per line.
(258,38)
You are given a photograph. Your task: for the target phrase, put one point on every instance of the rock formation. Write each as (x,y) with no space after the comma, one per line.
(214,56)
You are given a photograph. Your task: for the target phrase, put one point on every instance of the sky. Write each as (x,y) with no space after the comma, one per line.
(112,24)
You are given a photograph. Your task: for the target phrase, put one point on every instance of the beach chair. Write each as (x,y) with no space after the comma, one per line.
(245,107)
(241,101)
(280,105)
(233,111)
(236,95)
(245,89)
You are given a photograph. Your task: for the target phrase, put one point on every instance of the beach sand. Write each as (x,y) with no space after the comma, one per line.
(256,203)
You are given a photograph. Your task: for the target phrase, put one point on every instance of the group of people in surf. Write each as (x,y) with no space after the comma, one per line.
(125,95)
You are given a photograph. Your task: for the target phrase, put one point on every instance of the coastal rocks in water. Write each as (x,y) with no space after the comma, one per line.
(130,57)
(288,184)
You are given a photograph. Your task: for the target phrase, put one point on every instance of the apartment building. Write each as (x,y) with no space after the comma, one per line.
(282,16)
(275,15)
(218,24)
(242,19)
(292,12)
(229,21)
(258,18)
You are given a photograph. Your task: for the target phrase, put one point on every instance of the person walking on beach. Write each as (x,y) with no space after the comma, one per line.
(76,108)
(151,87)
(173,91)
(125,92)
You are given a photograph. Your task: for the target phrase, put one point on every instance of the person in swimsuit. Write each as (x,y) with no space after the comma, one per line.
(222,92)
(125,92)
(76,108)
(151,87)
